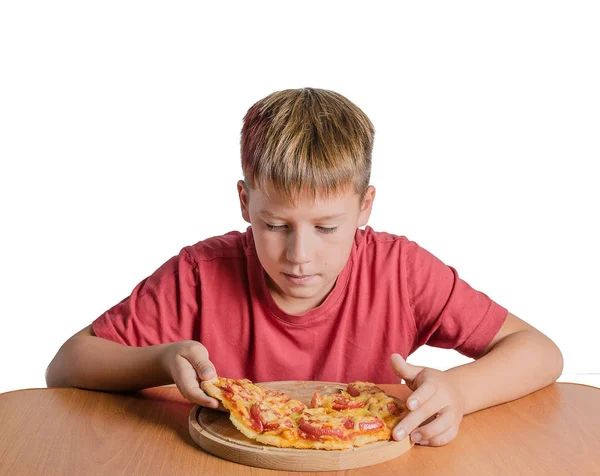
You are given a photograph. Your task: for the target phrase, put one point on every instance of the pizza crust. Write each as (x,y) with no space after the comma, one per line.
(209,387)
(280,442)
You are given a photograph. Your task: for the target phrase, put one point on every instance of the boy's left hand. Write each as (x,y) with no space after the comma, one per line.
(436,396)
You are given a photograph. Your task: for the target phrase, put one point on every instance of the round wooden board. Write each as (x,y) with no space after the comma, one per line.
(213,431)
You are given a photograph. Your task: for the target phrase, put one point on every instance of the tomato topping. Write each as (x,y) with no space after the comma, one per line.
(344,403)
(256,420)
(240,392)
(369,425)
(352,390)
(316,431)
(299,408)
(393,409)
(270,426)
(316,401)
(349,423)
(274,425)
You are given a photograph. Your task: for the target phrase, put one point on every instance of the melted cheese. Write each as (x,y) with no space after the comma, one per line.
(277,412)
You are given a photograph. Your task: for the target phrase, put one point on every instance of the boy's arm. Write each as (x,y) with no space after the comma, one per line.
(88,361)
(519,360)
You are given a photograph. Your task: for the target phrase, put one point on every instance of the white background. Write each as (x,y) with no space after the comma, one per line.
(119,145)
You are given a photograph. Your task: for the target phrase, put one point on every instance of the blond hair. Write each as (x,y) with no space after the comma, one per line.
(307,140)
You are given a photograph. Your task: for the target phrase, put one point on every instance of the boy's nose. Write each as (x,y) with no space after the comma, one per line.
(297,249)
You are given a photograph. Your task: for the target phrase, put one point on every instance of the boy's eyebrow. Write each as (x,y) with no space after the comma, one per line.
(326,217)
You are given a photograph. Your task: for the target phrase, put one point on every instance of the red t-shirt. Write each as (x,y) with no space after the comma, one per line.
(392,296)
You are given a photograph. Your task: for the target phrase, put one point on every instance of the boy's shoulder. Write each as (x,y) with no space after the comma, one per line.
(380,247)
(235,244)
(369,237)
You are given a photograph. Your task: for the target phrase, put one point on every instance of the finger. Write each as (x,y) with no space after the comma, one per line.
(186,379)
(416,417)
(443,439)
(403,369)
(197,355)
(421,395)
(444,421)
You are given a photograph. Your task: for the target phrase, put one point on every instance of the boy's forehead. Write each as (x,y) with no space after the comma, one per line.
(330,216)
(271,203)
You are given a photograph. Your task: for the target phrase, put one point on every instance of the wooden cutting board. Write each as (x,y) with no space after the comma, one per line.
(213,431)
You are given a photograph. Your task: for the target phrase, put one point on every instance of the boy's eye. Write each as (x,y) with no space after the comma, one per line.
(327,230)
(275,227)
(322,229)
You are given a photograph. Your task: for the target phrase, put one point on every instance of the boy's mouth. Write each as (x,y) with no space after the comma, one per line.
(299,279)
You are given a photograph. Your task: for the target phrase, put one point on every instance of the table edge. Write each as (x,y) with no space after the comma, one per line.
(191,403)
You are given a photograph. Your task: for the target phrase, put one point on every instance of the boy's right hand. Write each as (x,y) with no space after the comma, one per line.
(187,363)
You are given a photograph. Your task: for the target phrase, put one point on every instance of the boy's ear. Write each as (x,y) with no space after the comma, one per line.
(244,200)
(366,206)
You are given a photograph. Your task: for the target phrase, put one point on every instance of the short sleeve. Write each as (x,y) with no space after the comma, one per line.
(162,308)
(449,313)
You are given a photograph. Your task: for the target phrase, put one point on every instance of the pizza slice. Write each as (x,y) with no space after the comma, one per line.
(254,409)
(366,399)
(349,418)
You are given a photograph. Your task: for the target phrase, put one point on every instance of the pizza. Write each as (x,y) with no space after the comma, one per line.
(360,414)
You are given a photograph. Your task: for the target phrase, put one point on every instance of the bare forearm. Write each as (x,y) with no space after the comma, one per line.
(96,363)
(519,364)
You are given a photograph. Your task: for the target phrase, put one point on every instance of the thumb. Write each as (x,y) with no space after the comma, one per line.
(205,369)
(197,355)
(403,369)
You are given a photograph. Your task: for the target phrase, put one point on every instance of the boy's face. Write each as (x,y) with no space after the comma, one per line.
(303,248)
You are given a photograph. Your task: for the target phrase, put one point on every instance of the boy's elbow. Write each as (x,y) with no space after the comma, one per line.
(51,380)
(559,363)
(58,369)
(61,366)
(55,378)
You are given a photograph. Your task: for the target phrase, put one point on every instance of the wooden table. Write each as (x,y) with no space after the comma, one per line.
(554,431)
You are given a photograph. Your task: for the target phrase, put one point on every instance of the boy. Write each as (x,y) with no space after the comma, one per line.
(305,294)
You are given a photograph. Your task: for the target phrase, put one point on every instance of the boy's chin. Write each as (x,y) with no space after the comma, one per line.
(304,291)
